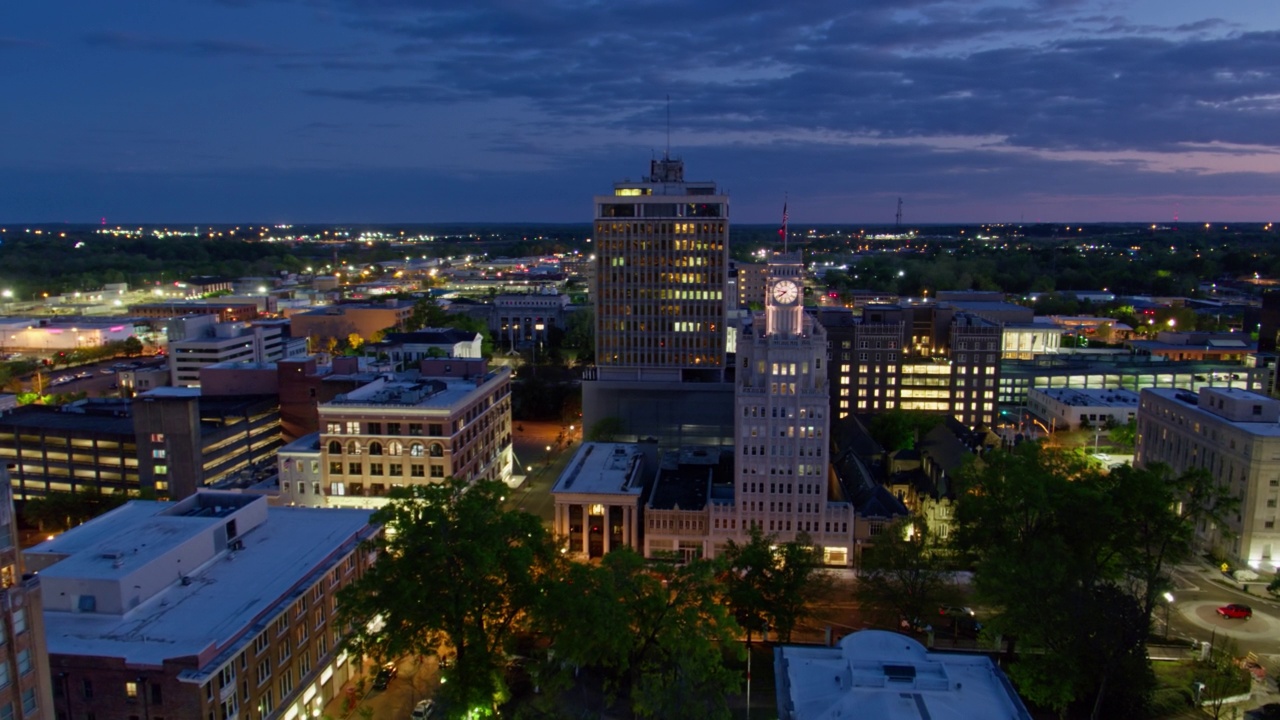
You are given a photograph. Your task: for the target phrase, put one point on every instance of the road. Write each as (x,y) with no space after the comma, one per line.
(418,679)
(541,467)
(1199,591)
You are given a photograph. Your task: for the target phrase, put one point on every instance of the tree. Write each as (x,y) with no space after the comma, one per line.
(455,571)
(1072,559)
(426,313)
(132,346)
(354,341)
(58,510)
(771,582)
(658,632)
(899,429)
(902,573)
(605,429)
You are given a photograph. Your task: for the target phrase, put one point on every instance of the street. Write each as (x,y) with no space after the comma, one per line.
(541,467)
(1199,591)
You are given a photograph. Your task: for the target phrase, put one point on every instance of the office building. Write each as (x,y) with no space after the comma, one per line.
(452,419)
(928,356)
(345,319)
(1235,436)
(782,484)
(215,606)
(262,341)
(170,442)
(24,659)
(661,268)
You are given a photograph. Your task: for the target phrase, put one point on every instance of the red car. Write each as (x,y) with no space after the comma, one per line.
(1235,610)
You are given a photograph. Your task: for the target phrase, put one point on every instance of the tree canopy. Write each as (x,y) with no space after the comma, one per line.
(455,573)
(1072,558)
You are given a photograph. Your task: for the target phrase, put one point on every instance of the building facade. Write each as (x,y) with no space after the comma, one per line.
(916,356)
(662,248)
(213,607)
(597,499)
(340,321)
(26,691)
(263,341)
(397,432)
(1235,436)
(661,298)
(782,483)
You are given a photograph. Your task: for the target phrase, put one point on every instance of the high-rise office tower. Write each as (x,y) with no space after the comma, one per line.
(781,423)
(661,258)
(661,285)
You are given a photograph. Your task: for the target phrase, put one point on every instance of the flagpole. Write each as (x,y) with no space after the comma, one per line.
(785,234)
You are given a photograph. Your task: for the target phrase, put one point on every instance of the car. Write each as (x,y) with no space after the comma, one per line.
(1236,611)
(955,611)
(383,678)
(423,710)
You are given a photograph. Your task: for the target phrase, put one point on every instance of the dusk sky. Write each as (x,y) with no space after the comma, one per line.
(520,110)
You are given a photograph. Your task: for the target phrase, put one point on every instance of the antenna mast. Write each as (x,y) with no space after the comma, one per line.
(897,221)
(668,126)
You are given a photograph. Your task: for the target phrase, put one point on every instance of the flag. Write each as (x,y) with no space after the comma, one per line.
(782,231)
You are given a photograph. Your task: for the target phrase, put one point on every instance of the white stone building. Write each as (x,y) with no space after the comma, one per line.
(1235,435)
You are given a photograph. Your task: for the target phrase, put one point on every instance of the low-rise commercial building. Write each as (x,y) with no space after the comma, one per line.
(215,606)
(597,498)
(451,419)
(1069,408)
(888,676)
(343,320)
(263,341)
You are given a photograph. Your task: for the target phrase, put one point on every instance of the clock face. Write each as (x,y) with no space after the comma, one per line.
(785,292)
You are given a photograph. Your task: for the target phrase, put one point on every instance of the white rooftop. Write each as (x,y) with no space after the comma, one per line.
(884,675)
(601,468)
(1090,397)
(215,610)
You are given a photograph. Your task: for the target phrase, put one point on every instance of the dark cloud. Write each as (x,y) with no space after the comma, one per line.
(198,48)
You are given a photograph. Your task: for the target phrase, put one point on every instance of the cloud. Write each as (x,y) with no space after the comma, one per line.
(196,48)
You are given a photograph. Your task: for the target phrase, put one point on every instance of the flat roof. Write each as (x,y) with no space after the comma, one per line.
(685,477)
(433,392)
(879,674)
(1081,397)
(1192,403)
(226,596)
(600,468)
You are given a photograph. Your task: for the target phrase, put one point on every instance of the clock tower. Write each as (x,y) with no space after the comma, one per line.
(782,482)
(784,305)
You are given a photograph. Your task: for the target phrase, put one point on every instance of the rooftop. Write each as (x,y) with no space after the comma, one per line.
(878,674)
(221,599)
(600,468)
(685,477)
(1090,398)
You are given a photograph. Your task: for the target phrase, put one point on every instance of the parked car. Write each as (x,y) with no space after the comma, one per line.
(423,710)
(1236,611)
(955,611)
(383,678)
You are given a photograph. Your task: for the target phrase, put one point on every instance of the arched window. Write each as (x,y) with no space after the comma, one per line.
(353,447)
(375,448)
(437,450)
(395,447)
(335,447)
(417,450)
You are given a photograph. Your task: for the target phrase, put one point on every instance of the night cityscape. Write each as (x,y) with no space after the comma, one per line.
(565,360)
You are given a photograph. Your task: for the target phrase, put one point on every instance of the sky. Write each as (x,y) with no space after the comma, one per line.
(397,111)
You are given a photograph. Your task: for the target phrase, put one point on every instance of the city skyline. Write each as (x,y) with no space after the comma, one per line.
(346,111)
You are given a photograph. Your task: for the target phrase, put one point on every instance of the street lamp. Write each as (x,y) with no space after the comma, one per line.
(1168,602)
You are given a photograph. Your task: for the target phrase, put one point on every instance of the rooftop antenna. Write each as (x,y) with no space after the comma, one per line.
(897,220)
(668,157)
